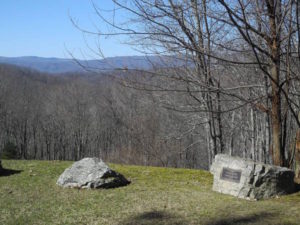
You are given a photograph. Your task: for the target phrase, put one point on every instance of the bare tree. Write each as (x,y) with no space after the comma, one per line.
(252,34)
(261,24)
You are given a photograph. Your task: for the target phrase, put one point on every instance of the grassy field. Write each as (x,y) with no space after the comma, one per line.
(155,196)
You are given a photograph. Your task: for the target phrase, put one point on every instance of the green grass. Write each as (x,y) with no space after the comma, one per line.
(155,196)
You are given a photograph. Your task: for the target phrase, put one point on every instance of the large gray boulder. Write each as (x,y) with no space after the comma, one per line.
(91,173)
(249,179)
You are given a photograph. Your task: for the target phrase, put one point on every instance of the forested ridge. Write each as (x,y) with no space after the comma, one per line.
(119,117)
(70,116)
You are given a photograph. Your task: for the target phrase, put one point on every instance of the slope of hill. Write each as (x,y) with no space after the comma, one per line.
(155,196)
(49,65)
(58,65)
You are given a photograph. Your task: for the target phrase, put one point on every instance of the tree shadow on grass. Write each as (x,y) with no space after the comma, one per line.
(165,218)
(259,218)
(8,172)
(155,218)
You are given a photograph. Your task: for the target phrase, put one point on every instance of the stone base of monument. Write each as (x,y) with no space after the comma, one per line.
(250,180)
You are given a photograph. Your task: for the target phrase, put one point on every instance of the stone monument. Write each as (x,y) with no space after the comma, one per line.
(91,173)
(250,180)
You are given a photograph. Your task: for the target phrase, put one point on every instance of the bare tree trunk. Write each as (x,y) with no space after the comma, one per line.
(231,141)
(252,128)
(277,153)
(276,118)
(297,158)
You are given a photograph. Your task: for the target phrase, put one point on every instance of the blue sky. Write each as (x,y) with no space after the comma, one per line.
(43,28)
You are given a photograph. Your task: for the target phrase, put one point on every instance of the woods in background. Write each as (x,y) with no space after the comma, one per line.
(227,82)
(68,117)
(216,38)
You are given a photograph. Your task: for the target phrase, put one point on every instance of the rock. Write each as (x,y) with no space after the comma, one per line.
(91,173)
(250,180)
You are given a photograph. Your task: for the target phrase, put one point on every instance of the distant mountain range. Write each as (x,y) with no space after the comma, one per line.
(58,65)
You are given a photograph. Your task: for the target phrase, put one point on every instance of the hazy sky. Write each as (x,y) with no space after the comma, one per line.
(43,28)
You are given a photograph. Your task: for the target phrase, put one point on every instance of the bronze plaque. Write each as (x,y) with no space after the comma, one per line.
(231,175)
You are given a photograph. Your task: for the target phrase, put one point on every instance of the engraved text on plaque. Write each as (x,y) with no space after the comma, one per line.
(231,175)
